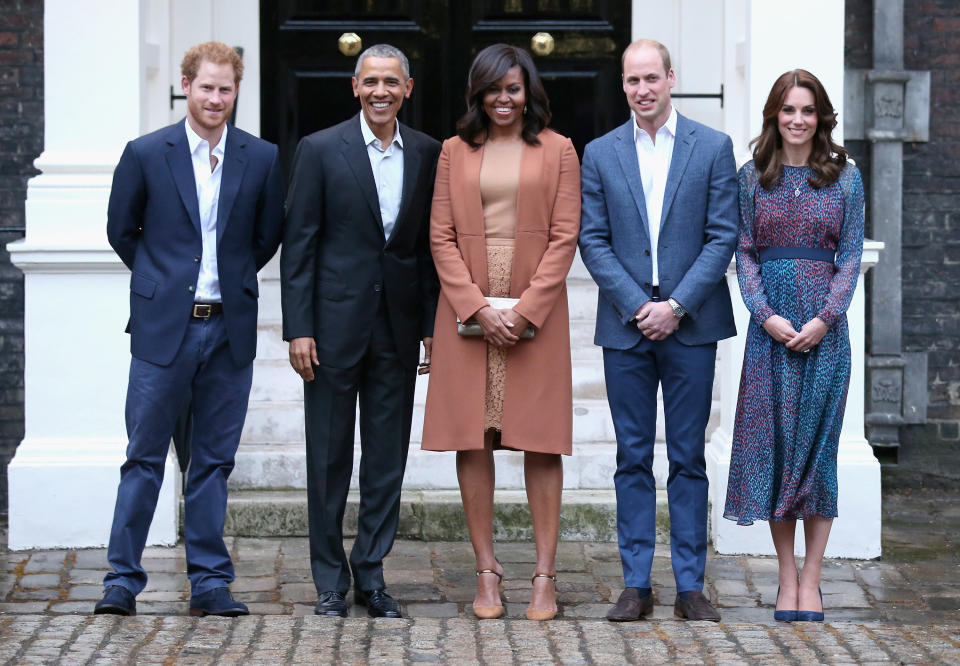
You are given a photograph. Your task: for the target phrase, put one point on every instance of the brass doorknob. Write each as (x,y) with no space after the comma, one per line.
(350,43)
(542,44)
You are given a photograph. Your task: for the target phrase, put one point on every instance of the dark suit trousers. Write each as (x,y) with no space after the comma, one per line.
(686,376)
(385,388)
(204,368)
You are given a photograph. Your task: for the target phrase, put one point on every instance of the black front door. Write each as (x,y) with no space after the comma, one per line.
(306,78)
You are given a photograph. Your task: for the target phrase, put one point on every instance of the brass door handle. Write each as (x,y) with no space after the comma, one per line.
(350,44)
(542,44)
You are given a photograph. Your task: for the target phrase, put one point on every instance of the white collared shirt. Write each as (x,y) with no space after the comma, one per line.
(654,160)
(208,198)
(387,165)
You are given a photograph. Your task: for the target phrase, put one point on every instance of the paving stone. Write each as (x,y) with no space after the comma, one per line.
(89,592)
(34,581)
(419,610)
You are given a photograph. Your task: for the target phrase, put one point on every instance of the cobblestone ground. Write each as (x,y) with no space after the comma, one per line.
(902,609)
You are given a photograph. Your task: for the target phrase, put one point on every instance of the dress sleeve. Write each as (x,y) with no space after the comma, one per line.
(849,248)
(748,261)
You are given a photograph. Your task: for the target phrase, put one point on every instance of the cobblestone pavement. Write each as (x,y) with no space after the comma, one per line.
(904,608)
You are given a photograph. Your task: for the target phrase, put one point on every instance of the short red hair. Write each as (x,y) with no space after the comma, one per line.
(216,52)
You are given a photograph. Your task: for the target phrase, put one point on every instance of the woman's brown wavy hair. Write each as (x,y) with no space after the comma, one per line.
(490,65)
(826,157)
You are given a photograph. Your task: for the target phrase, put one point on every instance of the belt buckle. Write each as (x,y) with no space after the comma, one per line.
(202,310)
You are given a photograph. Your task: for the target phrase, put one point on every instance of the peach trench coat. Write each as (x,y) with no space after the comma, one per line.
(538,402)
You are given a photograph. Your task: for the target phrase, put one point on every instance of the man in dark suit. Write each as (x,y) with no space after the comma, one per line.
(359,292)
(659,227)
(195,210)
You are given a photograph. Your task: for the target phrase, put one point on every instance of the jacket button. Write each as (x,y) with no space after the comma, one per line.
(377,287)
(196,260)
(190,288)
(647,252)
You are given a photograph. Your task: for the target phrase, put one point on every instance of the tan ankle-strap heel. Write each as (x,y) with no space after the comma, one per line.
(537,614)
(489,612)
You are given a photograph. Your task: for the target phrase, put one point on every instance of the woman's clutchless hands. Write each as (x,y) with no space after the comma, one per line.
(806,339)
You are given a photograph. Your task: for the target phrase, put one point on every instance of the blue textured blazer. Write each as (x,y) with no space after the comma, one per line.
(698,233)
(153,224)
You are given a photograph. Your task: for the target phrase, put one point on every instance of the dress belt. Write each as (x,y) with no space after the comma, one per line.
(811,253)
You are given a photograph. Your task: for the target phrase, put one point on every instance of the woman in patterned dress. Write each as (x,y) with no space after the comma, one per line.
(798,261)
(504,223)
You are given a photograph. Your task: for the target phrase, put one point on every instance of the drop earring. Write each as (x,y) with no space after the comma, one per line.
(524,109)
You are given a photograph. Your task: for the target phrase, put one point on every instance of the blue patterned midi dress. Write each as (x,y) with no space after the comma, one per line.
(798,256)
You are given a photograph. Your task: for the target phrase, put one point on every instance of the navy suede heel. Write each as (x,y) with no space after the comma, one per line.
(783,615)
(811,616)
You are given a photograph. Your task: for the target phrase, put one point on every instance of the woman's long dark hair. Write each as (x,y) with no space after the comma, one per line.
(490,65)
(826,157)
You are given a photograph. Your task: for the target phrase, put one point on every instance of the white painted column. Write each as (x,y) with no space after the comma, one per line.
(64,476)
(767,39)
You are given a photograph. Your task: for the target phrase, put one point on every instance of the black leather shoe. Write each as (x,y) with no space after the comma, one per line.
(217,601)
(378,603)
(331,603)
(694,606)
(117,600)
(631,606)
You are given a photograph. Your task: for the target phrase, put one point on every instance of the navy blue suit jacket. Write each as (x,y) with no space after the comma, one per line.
(153,223)
(698,233)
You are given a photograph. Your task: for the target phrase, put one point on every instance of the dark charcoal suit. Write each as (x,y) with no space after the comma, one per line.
(367,301)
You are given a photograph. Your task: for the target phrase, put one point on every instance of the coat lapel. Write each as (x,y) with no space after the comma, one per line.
(355,154)
(181,167)
(682,149)
(234,164)
(469,168)
(627,155)
(411,169)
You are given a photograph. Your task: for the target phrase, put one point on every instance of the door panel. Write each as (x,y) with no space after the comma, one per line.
(306,80)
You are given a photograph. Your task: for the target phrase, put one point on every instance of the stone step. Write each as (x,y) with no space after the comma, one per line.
(437,515)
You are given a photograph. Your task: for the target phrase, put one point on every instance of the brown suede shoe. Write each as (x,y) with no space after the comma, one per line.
(695,607)
(630,606)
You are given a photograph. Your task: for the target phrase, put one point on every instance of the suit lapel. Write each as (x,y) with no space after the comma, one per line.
(181,167)
(411,169)
(355,154)
(234,164)
(682,149)
(627,155)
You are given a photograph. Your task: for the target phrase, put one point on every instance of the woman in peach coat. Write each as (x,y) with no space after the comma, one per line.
(504,223)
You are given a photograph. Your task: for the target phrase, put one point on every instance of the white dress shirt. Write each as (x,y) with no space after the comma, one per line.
(387,165)
(654,160)
(208,197)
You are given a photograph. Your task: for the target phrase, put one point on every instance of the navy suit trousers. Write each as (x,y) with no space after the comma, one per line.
(686,376)
(204,368)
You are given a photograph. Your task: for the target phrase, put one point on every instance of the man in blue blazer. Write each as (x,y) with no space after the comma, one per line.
(659,227)
(195,211)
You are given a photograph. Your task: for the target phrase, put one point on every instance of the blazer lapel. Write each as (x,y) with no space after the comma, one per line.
(627,155)
(181,167)
(234,164)
(355,154)
(411,169)
(682,149)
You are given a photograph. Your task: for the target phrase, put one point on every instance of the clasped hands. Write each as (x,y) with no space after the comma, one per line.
(303,356)
(807,338)
(656,320)
(501,328)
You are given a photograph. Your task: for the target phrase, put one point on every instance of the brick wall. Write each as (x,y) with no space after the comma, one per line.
(931,203)
(21,140)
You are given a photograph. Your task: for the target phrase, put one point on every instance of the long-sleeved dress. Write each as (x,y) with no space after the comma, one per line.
(798,256)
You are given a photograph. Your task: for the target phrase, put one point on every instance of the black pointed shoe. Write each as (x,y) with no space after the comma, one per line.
(378,603)
(117,600)
(217,601)
(331,603)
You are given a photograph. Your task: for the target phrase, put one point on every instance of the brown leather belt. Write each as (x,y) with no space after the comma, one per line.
(204,310)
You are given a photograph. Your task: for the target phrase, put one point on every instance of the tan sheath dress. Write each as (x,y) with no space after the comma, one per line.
(499,182)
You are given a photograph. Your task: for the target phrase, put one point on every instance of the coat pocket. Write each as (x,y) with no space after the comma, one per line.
(142,286)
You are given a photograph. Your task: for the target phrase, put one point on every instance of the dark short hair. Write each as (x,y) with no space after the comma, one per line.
(216,52)
(490,65)
(827,158)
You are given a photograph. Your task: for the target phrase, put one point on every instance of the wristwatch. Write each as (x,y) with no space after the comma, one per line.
(678,310)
